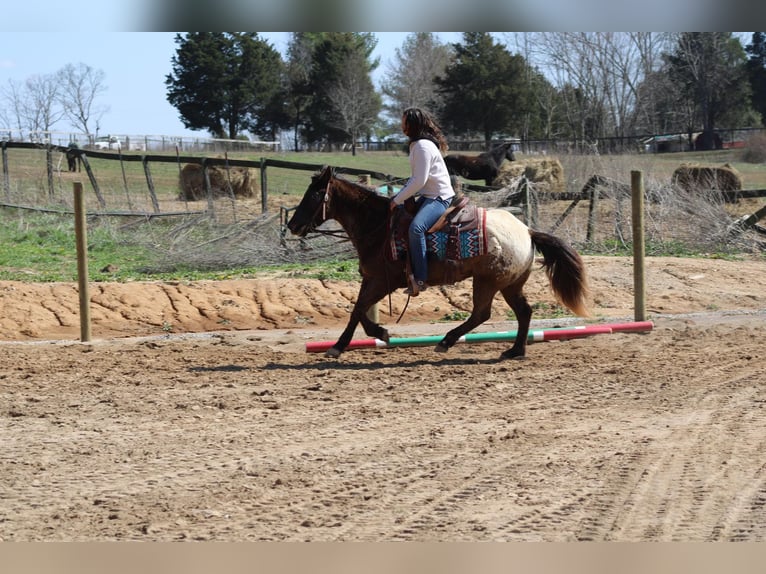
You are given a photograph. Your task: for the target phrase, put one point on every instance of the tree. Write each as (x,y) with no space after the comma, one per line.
(43,94)
(15,115)
(226,83)
(483,89)
(79,87)
(600,77)
(300,52)
(332,53)
(709,70)
(756,72)
(353,99)
(33,104)
(411,79)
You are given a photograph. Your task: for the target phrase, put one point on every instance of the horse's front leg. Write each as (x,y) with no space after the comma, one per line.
(482,309)
(375,290)
(369,294)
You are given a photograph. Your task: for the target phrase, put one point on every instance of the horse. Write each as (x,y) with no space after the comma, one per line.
(504,267)
(73,158)
(483,166)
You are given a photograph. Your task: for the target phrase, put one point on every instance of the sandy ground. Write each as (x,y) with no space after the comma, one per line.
(195,413)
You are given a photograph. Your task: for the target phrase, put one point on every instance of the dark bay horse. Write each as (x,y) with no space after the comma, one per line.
(504,267)
(483,166)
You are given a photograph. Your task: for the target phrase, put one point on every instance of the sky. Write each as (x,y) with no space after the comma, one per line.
(132,41)
(135,65)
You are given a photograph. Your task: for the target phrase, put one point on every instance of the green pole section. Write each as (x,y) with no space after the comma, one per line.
(81,238)
(468,338)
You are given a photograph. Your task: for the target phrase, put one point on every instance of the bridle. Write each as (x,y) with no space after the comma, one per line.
(323,207)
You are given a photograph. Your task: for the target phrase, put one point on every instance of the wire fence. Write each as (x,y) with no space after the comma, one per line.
(238,221)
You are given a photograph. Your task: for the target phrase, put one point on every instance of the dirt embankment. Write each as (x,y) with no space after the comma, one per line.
(50,311)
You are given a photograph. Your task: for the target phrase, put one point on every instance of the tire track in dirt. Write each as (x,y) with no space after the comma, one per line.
(669,490)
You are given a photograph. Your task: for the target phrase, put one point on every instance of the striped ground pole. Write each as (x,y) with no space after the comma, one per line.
(535,335)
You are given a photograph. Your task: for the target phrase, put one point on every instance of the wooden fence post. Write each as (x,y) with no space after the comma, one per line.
(49,169)
(150,183)
(93,181)
(264,191)
(81,239)
(592,211)
(208,188)
(639,280)
(6,175)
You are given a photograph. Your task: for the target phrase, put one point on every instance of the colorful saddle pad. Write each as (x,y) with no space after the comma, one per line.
(452,242)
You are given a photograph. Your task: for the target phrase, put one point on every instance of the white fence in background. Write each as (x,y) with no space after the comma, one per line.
(133,142)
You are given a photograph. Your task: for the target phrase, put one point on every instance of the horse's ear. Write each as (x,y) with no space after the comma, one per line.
(326,172)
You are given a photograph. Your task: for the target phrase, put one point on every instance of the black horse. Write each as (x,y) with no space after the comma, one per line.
(73,158)
(483,166)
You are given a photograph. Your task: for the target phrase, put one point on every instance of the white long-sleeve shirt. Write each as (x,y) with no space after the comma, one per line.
(429,173)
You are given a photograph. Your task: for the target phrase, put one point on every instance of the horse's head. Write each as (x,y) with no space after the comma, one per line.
(509,152)
(310,213)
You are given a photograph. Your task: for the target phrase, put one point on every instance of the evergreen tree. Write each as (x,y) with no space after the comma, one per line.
(226,83)
(299,61)
(333,53)
(484,89)
(756,72)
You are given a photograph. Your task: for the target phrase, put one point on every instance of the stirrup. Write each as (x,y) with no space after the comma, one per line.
(415,288)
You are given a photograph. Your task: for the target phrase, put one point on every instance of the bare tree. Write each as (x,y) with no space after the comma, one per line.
(81,85)
(708,69)
(409,80)
(354,99)
(13,115)
(599,75)
(43,111)
(33,105)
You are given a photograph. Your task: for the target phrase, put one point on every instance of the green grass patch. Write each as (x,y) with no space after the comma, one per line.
(456,316)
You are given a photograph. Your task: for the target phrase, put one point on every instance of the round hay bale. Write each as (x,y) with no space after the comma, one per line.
(224,181)
(546,172)
(696,177)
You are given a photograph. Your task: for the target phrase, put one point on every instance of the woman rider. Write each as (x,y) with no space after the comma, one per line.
(430,180)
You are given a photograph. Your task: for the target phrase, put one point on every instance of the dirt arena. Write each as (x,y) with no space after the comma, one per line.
(195,413)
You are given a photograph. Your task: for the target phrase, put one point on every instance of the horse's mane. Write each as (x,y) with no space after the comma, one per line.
(365,192)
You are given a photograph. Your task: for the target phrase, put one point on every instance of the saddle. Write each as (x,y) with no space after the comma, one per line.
(458,234)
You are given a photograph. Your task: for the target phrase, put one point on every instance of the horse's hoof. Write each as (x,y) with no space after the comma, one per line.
(439,348)
(332,353)
(386,338)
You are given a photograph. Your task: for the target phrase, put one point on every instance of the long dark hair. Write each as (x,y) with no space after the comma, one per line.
(422,125)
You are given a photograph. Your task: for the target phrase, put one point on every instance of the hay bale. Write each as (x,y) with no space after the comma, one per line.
(546,173)
(240,180)
(696,177)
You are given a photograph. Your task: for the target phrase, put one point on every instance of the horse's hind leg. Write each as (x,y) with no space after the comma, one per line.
(482,309)
(518,302)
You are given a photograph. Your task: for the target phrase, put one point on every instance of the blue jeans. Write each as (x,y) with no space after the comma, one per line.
(429,212)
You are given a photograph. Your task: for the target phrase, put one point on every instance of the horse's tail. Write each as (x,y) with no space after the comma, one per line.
(565,270)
